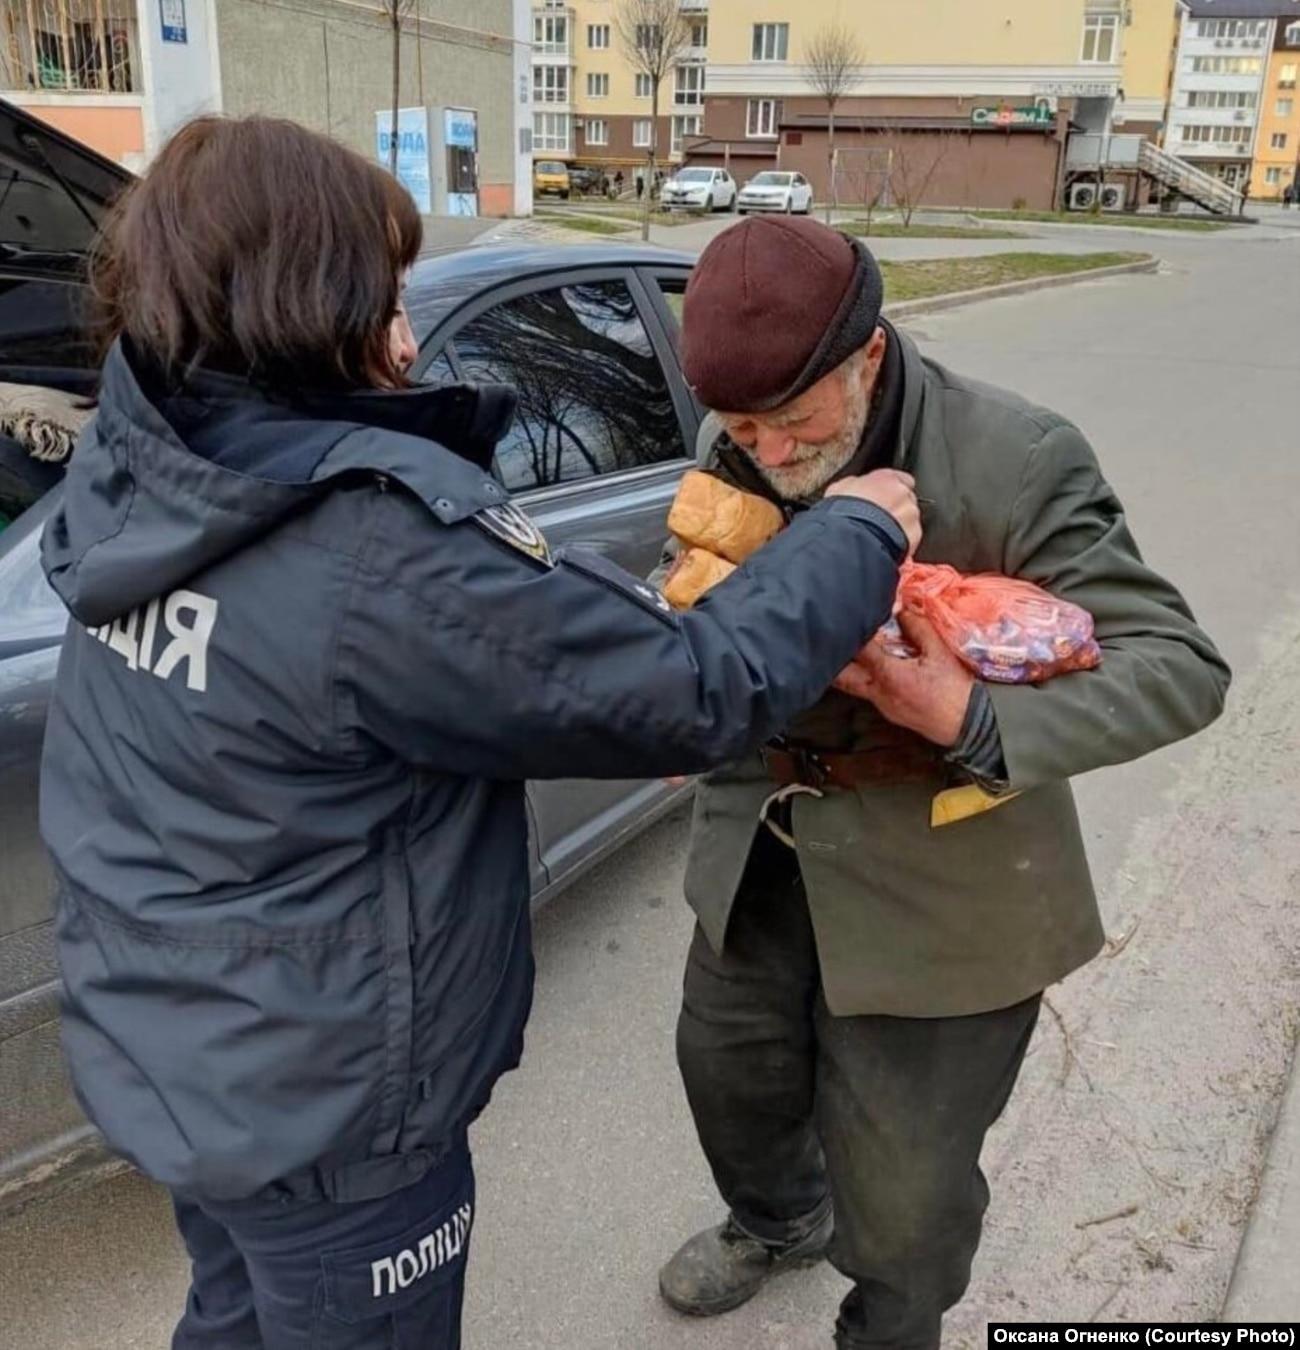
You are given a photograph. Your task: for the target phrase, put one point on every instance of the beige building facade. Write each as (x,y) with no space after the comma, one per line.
(590,106)
(975,101)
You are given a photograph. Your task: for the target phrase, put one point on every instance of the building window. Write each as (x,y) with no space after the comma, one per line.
(1293,35)
(598,36)
(1222,98)
(597,86)
(551,34)
(1279,140)
(550,84)
(1232,28)
(1284,107)
(1227,65)
(597,131)
(551,131)
(690,86)
(1286,77)
(648,37)
(644,86)
(1273,177)
(771,42)
(685,125)
(700,33)
(641,133)
(1100,38)
(1201,134)
(764,118)
(71,47)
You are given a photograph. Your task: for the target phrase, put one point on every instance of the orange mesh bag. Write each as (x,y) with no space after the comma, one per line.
(1005,630)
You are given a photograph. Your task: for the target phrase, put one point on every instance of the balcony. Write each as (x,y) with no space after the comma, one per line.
(695,6)
(554,33)
(70,47)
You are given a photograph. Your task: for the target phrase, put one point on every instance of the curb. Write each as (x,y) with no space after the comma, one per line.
(1265,1284)
(1227,222)
(905,309)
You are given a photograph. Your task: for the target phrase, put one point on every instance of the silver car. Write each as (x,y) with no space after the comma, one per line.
(600,471)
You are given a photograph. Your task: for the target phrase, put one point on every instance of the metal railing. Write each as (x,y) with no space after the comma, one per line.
(69,46)
(1088,151)
(1203,188)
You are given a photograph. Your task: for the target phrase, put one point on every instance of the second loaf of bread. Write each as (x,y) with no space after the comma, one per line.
(694,572)
(710,514)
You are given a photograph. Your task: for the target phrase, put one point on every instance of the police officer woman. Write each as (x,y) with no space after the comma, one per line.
(315,654)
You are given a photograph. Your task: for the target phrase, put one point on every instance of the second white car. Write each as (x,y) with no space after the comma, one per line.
(773,190)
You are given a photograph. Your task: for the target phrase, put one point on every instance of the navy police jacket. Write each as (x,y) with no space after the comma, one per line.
(314,655)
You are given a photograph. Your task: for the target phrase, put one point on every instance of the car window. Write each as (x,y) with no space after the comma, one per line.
(593,397)
(673,290)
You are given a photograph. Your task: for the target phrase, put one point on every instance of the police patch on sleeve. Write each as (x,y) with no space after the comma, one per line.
(513,528)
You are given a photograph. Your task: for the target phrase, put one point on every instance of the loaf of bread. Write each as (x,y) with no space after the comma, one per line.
(694,572)
(710,514)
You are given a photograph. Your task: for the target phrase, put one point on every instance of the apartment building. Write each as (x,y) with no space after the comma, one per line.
(1277,143)
(590,106)
(975,103)
(1232,105)
(121,75)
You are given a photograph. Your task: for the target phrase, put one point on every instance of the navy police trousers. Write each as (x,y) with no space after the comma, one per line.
(388,1274)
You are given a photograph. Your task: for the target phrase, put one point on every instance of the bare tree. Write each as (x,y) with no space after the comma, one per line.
(653,34)
(834,58)
(915,159)
(396,12)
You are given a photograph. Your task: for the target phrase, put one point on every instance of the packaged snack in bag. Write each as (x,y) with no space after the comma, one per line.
(1007,631)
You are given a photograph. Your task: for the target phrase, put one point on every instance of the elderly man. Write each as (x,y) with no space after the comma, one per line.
(863,984)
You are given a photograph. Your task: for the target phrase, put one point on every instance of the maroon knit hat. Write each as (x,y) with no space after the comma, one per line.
(774,305)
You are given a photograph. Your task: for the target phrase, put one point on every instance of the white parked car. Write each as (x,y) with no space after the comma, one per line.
(700,189)
(773,190)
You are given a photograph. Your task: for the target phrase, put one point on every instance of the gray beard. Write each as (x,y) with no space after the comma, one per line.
(804,478)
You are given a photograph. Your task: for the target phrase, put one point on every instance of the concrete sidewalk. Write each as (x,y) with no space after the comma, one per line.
(1266,1283)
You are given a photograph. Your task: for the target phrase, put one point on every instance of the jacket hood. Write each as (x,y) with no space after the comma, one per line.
(150,499)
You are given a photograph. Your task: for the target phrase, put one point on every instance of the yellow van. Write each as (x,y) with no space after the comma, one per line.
(550,175)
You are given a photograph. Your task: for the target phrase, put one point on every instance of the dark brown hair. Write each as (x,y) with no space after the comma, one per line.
(256,247)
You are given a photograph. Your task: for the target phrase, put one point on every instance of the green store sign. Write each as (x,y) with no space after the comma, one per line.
(994,119)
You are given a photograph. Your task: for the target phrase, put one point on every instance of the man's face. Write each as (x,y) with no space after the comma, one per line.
(800,447)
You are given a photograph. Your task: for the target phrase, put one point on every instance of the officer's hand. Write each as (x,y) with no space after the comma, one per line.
(927,693)
(891,490)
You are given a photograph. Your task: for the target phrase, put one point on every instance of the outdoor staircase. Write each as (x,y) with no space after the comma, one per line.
(1179,176)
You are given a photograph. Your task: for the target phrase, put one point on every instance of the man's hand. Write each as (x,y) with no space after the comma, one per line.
(927,694)
(892,491)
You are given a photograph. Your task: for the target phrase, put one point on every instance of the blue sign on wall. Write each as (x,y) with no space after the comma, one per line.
(172,13)
(461,128)
(412,152)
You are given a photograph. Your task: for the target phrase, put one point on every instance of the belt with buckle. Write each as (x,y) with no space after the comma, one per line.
(793,764)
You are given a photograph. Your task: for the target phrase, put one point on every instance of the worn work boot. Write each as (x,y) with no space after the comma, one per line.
(723,1267)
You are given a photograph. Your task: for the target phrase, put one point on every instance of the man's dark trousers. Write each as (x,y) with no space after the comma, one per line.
(883,1116)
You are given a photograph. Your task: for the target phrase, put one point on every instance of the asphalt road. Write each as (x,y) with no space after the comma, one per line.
(1156,1087)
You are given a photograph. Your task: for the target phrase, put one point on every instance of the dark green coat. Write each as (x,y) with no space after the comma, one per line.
(923,922)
